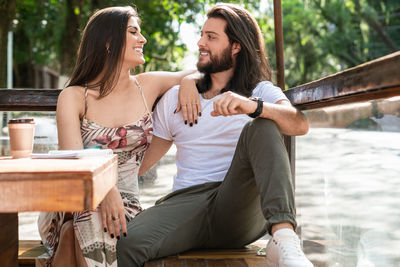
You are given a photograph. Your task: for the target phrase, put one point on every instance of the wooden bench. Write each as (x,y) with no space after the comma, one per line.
(31,251)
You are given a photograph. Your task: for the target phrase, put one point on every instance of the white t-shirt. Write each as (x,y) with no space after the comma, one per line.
(204,151)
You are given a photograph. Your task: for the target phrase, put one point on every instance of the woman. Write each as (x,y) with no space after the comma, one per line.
(104,106)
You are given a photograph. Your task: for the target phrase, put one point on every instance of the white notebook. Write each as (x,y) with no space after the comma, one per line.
(72,154)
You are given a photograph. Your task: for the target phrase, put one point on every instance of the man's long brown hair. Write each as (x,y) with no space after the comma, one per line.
(102,48)
(252,64)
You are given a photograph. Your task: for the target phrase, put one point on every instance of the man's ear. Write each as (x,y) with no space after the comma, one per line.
(236,48)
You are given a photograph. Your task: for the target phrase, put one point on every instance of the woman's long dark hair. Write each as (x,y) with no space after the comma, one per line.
(252,64)
(102,48)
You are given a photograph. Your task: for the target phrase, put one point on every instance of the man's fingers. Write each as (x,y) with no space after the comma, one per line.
(232,107)
(222,105)
(214,114)
(216,107)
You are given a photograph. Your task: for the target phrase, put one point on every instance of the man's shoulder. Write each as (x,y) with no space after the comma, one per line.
(268,91)
(265,85)
(173,91)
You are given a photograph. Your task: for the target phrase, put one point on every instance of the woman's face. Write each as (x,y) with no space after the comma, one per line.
(134,44)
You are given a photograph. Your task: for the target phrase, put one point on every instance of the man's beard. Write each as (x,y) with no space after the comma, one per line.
(217,64)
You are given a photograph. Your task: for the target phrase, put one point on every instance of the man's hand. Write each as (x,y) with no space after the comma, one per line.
(230,103)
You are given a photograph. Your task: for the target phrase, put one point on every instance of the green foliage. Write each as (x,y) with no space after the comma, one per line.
(36,36)
(320,36)
(39,34)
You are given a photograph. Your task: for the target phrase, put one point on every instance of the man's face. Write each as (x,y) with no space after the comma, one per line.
(215,51)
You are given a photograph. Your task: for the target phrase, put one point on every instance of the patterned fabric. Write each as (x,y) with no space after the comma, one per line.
(129,142)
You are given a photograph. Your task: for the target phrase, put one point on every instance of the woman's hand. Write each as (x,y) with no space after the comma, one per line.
(189,100)
(113,213)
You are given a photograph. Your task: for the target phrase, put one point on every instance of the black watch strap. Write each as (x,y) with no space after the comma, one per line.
(259,108)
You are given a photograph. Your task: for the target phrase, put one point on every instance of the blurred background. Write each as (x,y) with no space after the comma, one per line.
(347,166)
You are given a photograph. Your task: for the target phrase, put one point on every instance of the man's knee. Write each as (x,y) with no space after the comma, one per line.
(262,124)
(133,250)
(262,129)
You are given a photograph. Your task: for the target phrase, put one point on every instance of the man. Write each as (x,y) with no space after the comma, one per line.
(211,206)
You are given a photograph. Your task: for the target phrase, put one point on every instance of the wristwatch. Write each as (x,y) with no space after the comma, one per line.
(259,108)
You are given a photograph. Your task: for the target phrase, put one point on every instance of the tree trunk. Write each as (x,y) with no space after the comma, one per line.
(376,26)
(71,35)
(7,11)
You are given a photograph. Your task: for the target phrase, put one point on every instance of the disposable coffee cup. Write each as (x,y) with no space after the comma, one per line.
(21,132)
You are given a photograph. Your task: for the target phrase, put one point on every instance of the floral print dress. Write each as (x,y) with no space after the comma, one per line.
(129,142)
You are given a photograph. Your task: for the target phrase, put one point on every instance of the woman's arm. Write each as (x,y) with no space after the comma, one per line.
(189,102)
(70,106)
(157,149)
(161,81)
(189,99)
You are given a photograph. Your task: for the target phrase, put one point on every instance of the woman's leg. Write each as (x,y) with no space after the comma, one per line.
(68,252)
(65,253)
(80,260)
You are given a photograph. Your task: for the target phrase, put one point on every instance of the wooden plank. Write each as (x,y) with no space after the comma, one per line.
(154,263)
(28,99)
(258,262)
(278,26)
(55,184)
(217,263)
(174,262)
(28,246)
(29,251)
(219,254)
(196,262)
(102,182)
(376,79)
(8,239)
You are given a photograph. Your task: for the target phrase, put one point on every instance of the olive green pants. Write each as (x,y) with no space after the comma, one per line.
(256,193)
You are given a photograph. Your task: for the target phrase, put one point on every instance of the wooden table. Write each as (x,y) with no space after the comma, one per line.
(48,185)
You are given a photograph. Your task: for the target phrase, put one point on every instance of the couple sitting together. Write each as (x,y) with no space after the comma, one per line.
(233,182)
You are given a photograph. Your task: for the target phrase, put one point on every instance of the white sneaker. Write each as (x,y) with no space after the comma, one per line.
(283,250)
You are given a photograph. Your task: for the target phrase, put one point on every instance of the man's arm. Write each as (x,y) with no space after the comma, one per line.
(157,149)
(289,120)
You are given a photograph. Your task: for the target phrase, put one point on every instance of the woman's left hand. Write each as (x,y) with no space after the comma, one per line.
(189,100)
(113,213)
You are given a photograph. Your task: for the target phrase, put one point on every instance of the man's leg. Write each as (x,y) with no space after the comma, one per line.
(258,189)
(175,224)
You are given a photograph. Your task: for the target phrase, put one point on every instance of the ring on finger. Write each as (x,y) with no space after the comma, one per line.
(114,218)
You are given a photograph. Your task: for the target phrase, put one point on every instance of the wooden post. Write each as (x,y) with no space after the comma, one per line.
(280,65)
(9,239)
(290,141)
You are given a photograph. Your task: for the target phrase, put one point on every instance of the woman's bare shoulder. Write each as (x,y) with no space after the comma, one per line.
(73,92)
